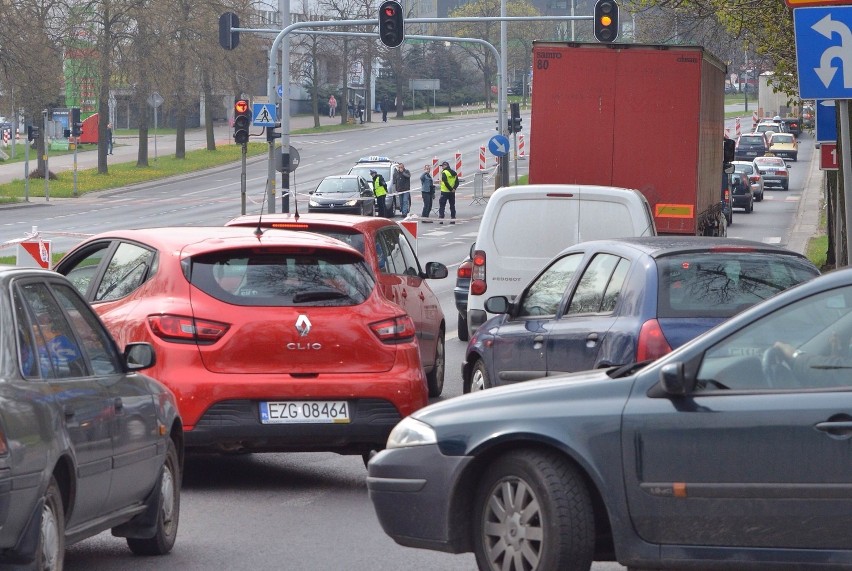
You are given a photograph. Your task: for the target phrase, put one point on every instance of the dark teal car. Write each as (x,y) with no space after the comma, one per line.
(607,303)
(732,452)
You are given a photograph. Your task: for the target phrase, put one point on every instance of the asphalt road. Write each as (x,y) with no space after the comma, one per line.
(308,511)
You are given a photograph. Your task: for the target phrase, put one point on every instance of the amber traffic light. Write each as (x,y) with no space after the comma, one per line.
(606,20)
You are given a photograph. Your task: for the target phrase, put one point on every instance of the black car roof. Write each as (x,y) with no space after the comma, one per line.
(659,246)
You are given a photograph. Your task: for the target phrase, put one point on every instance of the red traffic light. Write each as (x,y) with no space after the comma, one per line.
(241,106)
(390,11)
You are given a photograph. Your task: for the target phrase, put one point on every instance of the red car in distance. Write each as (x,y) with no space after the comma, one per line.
(388,248)
(271,342)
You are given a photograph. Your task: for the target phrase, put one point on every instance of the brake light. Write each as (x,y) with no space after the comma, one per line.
(465,270)
(781,173)
(477,274)
(4,444)
(182,328)
(394,330)
(652,343)
(754,178)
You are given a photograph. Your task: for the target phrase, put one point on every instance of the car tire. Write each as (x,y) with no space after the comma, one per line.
(435,377)
(168,510)
(785,186)
(536,494)
(479,380)
(750,208)
(462,328)
(759,197)
(50,553)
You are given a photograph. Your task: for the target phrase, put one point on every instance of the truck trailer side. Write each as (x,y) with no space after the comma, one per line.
(636,116)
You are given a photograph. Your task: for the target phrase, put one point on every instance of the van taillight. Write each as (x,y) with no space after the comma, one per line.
(465,270)
(477,274)
(183,328)
(394,330)
(652,343)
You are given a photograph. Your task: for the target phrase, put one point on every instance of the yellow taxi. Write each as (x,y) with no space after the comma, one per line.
(784,145)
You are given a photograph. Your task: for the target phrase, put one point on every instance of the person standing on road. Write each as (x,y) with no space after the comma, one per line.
(109,138)
(332,105)
(449,184)
(380,189)
(385,106)
(402,183)
(427,189)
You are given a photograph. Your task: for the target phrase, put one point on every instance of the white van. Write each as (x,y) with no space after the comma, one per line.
(523,227)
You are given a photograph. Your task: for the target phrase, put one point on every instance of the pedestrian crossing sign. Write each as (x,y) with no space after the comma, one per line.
(264,115)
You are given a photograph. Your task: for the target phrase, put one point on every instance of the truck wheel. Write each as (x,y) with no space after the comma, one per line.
(533,511)
(462,325)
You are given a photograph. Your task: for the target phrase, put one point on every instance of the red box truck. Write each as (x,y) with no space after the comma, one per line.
(647,117)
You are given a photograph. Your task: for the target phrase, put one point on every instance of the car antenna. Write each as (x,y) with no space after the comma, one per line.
(295,199)
(259,231)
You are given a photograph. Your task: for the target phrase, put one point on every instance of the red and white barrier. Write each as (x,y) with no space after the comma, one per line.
(436,169)
(458,168)
(753,120)
(727,132)
(482,159)
(34,254)
(739,128)
(522,151)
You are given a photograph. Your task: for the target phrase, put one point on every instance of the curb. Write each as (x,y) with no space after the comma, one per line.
(806,223)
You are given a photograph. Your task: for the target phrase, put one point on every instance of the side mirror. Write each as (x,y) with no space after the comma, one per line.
(674,381)
(497,304)
(139,355)
(436,270)
(729,147)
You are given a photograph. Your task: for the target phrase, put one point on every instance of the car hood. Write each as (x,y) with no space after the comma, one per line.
(575,394)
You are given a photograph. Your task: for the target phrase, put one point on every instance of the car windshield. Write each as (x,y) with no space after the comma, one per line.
(781,138)
(770,162)
(713,284)
(364,172)
(756,140)
(271,277)
(338,185)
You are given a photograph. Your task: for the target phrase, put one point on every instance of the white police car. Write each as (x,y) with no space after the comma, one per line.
(385,167)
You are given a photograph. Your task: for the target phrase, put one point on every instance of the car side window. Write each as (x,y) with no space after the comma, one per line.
(409,259)
(94,338)
(591,289)
(59,350)
(817,333)
(544,295)
(389,254)
(84,271)
(127,270)
(28,347)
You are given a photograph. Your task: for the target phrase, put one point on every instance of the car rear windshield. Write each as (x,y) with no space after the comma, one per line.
(757,140)
(324,278)
(723,284)
(349,236)
(770,162)
(782,138)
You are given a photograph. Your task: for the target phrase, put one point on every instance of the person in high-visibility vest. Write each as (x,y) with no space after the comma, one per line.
(449,184)
(380,189)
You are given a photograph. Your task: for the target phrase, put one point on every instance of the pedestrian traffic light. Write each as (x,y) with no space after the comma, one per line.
(76,124)
(32,132)
(517,127)
(391,23)
(515,118)
(242,121)
(272,134)
(606,20)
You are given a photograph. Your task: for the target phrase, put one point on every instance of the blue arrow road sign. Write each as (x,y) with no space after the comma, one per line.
(498,145)
(263,114)
(826,121)
(824,51)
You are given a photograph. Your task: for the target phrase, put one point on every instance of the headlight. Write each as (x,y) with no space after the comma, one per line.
(353,202)
(411,432)
(312,202)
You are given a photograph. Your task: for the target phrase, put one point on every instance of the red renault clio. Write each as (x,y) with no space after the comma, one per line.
(271,341)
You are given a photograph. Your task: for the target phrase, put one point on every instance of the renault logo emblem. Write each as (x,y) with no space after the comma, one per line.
(303,325)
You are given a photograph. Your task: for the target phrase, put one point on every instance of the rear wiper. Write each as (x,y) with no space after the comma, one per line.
(320,295)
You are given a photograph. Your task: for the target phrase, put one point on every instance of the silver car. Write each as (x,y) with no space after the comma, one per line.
(774,170)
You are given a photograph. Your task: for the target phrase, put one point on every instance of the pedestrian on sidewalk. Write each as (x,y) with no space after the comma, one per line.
(109,138)
(380,189)
(361,112)
(385,106)
(332,105)
(449,184)
(402,182)
(427,190)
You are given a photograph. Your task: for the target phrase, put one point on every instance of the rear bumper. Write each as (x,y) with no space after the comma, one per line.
(235,425)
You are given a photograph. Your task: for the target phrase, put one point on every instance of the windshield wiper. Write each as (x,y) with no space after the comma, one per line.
(317,296)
